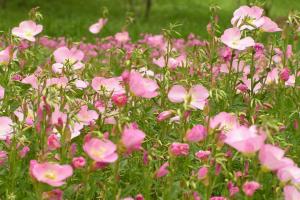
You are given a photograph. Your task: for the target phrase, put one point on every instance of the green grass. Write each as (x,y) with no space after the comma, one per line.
(72,18)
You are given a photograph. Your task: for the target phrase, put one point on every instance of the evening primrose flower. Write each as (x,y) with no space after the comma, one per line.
(245,140)
(27,30)
(96,28)
(232,38)
(103,151)
(142,87)
(5,127)
(50,173)
(247,17)
(64,55)
(196,97)
(86,116)
(272,158)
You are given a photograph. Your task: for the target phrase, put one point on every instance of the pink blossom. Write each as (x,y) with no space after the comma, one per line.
(24,151)
(289,173)
(5,56)
(232,38)
(232,189)
(101,150)
(2,91)
(96,28)
(248,17)
(63,55)
(78,162)
(53,142)
(109,85)
(132,138)
(27,30)
(218,198)
(58,116)
(245,140)
(202,154)
(142,87)
(291,193)
(196,97)
(250,187)
(162,171)
(164,115)
(202,173)
(32,80)
(225,121)
(59,82)
(86,116)
(196,134)
(119,99)
(80,84)
(272,157)
(122,37)
(269,25)
(179,149)
(6,128)
(51,173)
(285,74)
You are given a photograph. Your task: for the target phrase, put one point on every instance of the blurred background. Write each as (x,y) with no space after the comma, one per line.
(72,18)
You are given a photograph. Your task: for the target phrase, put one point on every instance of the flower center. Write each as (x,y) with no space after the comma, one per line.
(50,175)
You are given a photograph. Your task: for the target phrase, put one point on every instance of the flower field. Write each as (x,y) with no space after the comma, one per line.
(163,117)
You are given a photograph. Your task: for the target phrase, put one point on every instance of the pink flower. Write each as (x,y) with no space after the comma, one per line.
(202,154)
(101,150)
(80,84)
(225,121)
(78,162)
(195,98)
(218,198)
(53,142)
(31,80)
(5,127)
(196,134)
(142,87)
(96,28)
(57,117)
(179,149)
(232,189)
(51,173)
(285,74)
(108,85)
(5,56)
(164,115)
(291,193)
(245,140)
(122,37)
(232,38)
(24,151)
(269,25)
(162,171)
(272,157)
(2,91)
(63,55)
(202,173)
(250,187)
(119,99)
(132,138)
(289,173)
(27,30)
(86,116)
(248,17)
